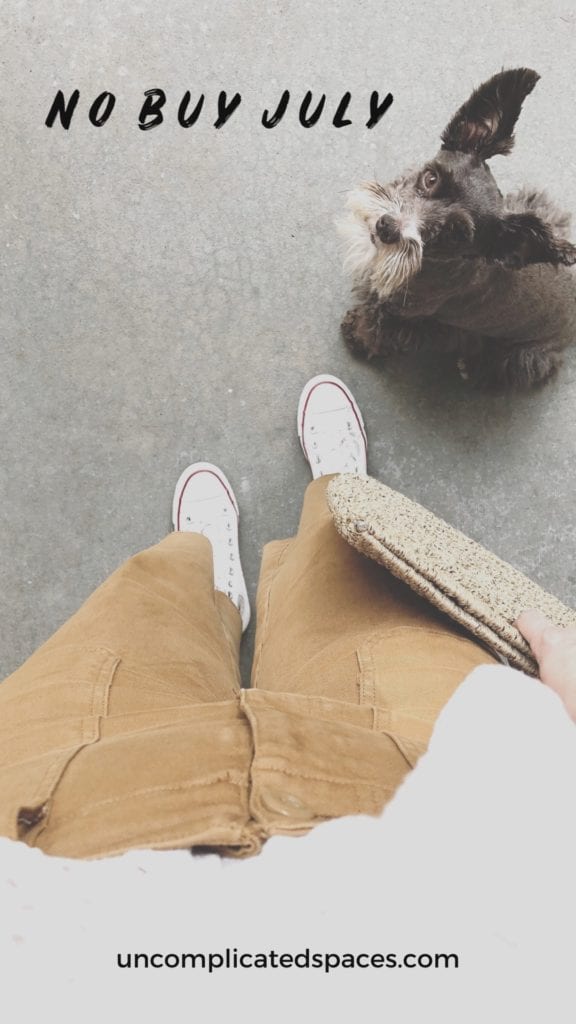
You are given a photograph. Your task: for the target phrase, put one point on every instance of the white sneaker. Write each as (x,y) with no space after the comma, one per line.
(331,428)
(204,502)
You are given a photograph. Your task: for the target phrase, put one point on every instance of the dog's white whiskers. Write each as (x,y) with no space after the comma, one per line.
(395,266)
(385,267)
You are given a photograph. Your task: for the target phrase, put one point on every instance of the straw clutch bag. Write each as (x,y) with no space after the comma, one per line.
(457,575)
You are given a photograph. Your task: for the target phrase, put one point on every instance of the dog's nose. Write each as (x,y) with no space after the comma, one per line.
(387,229)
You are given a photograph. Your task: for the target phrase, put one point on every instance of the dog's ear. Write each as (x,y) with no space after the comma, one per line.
(485,123)
(522,238)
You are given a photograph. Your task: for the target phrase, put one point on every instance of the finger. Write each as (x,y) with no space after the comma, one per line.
(542,635)
(534,626)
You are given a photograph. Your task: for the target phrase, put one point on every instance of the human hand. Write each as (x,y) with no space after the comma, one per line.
(554,648)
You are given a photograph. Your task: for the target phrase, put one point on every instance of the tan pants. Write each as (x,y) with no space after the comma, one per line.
(129,728)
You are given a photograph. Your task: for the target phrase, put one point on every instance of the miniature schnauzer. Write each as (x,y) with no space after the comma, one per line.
(440,258)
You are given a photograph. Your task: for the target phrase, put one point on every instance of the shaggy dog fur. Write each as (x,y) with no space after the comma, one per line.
(440,258)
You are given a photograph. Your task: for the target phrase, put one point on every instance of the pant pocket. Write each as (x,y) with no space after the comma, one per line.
(49,710)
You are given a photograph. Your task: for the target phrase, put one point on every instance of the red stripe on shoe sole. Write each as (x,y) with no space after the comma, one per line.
(347,396)
(187,481)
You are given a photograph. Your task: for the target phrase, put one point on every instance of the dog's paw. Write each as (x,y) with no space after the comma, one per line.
(518,369)
(463,369)
(358,339)
(566,252)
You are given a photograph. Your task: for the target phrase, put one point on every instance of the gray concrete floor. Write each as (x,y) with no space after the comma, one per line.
(166,294)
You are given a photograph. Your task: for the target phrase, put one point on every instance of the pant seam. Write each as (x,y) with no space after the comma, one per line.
(226,777)
(232,657)
(89,729)
(367,676)
(256,660)
(376,787)
(244,837)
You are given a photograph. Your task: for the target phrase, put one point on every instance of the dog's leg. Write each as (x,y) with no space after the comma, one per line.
(368,331)
(359,330)
(529,200)
(497,368)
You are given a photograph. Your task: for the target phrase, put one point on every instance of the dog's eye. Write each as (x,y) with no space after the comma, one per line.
(429,180)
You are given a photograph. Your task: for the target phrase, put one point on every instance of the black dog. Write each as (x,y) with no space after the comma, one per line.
(439,257)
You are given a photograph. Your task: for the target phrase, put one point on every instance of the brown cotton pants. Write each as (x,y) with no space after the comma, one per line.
(129,727)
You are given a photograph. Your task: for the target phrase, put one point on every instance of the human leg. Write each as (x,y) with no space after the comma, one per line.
(332,623)
(118,729)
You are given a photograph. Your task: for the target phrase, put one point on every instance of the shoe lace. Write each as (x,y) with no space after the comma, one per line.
(340,452)
(215,530)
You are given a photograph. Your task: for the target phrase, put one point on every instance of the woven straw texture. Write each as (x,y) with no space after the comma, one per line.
(457,575)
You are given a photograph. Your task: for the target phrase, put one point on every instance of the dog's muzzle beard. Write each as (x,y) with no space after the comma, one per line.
(385,267)
(394,265)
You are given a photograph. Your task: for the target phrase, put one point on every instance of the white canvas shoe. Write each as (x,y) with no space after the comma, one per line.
(331,428)
(204,502)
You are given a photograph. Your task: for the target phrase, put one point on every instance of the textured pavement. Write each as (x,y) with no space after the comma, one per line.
(165,294)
